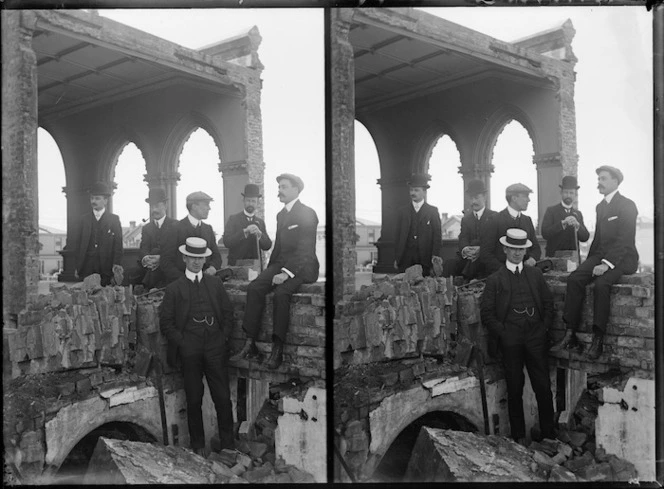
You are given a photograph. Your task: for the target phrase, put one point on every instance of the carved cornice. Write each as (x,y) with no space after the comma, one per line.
(238,167)
(547,160)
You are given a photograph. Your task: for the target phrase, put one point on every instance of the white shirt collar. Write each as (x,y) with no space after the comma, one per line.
(513,212)
(194,222)
(247,214)
(480,212)
(192,276)
(512,267)
(98,214)
(417,205)
(566,206)
(609,197)
(290,205)
(160,222)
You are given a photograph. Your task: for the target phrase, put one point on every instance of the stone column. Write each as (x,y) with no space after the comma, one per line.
(235,177)
(252,168)
(394,194)
(168,181)
(549,175)
(77,203)
(20,206)
(342,69)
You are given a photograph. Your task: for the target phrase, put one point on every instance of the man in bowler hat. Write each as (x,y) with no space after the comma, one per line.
(198,206)
(245,232)
(293,262)
(196,316)
(517,308)
(562,220)
(418,234)
(473,224)
(512,216)
(97,242)
(152,239)
(611,255)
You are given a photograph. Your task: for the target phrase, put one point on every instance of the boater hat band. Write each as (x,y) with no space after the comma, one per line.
(515,241)
(195,250)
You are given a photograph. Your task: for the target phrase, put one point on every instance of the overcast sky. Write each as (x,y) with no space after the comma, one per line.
(613,99)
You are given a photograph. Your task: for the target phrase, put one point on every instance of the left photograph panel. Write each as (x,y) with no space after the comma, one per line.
(163,246)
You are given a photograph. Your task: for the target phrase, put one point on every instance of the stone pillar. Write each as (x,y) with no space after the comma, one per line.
(394,195)
(567,121)
(342,69)
(549,176)
(78,202)
(235,177)
(20,206)
(168,181)
(471,172)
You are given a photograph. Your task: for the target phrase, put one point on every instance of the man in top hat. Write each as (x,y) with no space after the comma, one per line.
(245,232)
(418,233)
(152,239)
(196,316)
(562,223)
(293,262)
(97,242)
(198,205)
(612,254)
(517,308)
(473,225)
(491,251)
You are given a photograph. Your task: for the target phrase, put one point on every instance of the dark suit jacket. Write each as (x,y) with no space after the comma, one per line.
(614,233)
(491,251)
(239,247)
(558,238)
(497,295)
(152,240)
(171,259)
(472,230)
(174,311)
(110,240)
(295,243)
(429,234)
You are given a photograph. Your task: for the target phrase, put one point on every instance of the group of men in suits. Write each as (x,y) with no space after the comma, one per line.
(196,315)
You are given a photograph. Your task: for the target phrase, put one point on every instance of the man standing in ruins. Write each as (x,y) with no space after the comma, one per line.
(473,226)
(491,251)
(418,233)
(611,255)
(97,242)
(562,224)
(196,316)
(198,205)
(293,262)
(517,308)
(244,234)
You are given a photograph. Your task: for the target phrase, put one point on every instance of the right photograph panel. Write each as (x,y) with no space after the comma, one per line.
(493,244)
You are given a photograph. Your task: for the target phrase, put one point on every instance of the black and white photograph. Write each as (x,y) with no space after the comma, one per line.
(323,242)
(470,144)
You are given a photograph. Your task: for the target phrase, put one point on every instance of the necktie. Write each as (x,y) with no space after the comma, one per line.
(196,282)
(156,223)
(516,272)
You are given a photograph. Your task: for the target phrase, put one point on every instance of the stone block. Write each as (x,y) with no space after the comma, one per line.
(543,459)
(560,474)
(577,463)
(595,472)
(66,389)
(244,460)
(257,449)
(238,469)
(83,386)
(258,474)
(228,457)
(577,438)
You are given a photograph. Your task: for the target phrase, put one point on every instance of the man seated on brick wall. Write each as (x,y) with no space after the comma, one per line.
(473,226)
(293,262)
(196,316)
(245,232)
(562,224)
(517,308)
(198,205)
(97,242)
(611,255)
(512,216)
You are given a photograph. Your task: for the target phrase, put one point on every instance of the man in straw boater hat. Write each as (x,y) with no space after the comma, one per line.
(245,232)
(473,226)
(512,216)
(562,224)
(611,255)
(152,238)
(196,317)
(97,242)
(198,206)
(517,307)
(418,236)
(293,262)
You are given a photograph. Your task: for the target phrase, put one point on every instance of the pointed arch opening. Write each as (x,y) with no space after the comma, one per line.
(512,160)
(128,200)
(446,185)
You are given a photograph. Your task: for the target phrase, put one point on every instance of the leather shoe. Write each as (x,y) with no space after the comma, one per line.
(276,356)
(249,351)
(596,347)
(569,341)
